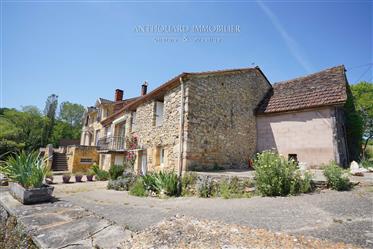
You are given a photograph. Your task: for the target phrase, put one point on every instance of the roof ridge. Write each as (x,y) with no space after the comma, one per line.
(308,75)
(221,71)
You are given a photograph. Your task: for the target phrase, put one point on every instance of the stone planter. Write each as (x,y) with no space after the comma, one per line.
(30,196)
(89,178)
(78,178)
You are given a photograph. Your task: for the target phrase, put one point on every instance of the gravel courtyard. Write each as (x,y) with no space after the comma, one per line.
(336,216)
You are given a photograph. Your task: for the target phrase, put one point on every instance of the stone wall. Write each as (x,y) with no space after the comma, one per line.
(75,154)
(308,134)
(221,126)
(152,137)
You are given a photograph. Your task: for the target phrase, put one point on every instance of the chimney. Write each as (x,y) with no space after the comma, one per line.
(144,88)
(118,95)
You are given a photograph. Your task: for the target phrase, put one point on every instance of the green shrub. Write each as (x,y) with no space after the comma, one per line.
(234,188)
(101,175)
(27,169)
(188,183)
(138,188)
(276,176)
(161,183)
(206,187)
(123,182)
(336,178)
(166,183)
(115,171)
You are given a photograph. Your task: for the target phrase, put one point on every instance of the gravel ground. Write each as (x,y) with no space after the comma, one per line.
(336,216)
(188,232)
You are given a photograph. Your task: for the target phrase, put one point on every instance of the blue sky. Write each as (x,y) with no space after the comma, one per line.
(84,50)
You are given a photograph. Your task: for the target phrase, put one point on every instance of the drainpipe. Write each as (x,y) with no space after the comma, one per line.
(181,135)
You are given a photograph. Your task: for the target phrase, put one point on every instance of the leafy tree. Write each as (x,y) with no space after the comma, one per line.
(71,113)
(50,114)
(64,130)
(20,129)
(363,98)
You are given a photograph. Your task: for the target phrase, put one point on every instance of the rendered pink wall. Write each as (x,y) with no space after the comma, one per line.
(309,134)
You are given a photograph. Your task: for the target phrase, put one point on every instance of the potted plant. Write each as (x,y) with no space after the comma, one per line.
(66,177)
(90,174)
(26,172)
(78,177)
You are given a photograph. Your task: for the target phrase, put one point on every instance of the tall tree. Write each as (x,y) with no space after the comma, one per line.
(50,114)
(363,98)
(71,113)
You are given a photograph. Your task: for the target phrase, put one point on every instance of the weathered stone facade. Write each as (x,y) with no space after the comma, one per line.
(152,138)
(221,126)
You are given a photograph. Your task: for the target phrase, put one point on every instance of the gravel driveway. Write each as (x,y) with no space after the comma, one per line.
(336,216)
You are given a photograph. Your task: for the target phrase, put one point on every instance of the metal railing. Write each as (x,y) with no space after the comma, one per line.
(115,143)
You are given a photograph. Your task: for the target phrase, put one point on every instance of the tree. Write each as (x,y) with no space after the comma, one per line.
(71,113)
(363,98)
(50,114)
(20,129)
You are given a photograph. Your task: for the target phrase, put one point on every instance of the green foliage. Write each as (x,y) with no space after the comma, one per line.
(276,176)
(101,175)
(115,171)
(234,188)
(162,183)
(27,169)
(20,130)
(63,130)
(336,178)
(29,129)
(206,187)
(354,127)
(50,115)
(363,98)
(188,183)
(71,114)
(123,182)
(138,188)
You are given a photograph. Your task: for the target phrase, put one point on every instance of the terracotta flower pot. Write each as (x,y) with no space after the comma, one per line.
(89,178)
(78,178)
(66,179)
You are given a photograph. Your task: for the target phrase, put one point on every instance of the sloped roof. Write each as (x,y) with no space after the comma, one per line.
(170,85)
(324,88)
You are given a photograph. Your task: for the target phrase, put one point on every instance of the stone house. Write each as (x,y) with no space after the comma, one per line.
(200,120)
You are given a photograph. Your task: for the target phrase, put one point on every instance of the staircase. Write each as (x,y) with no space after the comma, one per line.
(59,162)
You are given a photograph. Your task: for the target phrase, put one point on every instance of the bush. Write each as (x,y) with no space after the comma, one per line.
(161,183)
(188,183)
(123,182)
(276,176)
(115,171)
(138,188)
(206,187)
(234,188)
(27,169)
(101,175)
(336,178)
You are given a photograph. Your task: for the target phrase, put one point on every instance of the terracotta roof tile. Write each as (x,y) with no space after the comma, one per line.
(327,87)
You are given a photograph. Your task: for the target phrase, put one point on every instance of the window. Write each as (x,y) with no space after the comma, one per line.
(158,113)
(161,156)
(133,121)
